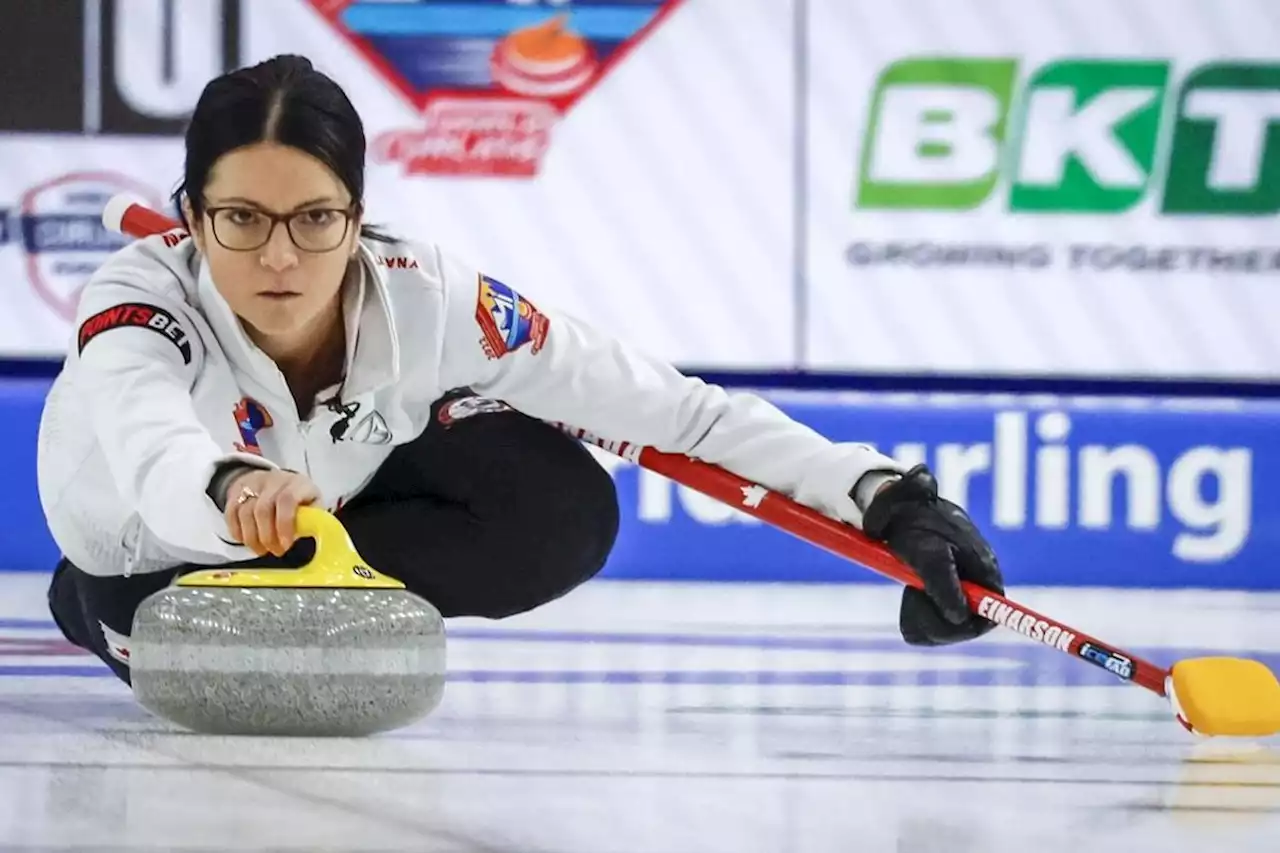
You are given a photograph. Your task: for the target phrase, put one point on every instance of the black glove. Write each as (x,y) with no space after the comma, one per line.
(937,539)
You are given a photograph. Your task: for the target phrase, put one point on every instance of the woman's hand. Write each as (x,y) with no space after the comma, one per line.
(939,540)
(262,507)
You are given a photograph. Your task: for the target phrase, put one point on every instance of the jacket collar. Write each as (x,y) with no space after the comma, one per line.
(373,347)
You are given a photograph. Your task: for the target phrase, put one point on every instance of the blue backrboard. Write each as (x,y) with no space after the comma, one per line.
(1135,493)
(1089,492)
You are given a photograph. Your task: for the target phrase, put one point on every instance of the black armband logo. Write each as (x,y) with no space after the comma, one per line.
(137,315)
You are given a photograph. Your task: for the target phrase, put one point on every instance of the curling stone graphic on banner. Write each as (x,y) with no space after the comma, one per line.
(331,649)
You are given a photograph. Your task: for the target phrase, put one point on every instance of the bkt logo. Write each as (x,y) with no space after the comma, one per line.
(1075,135)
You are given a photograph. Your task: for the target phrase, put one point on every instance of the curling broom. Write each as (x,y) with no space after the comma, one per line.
(1212,696)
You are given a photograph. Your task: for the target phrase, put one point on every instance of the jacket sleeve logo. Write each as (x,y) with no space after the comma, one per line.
(136,315)
(507,320)
(251,417)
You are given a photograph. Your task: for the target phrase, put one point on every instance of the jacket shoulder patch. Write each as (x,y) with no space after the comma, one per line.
(507,320)
(136,315)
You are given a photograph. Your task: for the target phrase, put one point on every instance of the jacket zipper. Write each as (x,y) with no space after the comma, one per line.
(304,429)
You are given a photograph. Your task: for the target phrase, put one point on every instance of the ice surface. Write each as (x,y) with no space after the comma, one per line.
(633,718)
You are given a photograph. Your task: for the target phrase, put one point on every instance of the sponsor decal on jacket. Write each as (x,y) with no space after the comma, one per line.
(507,320)
(465,407)
(371,429)
(397,262)
(136,315)
(251,417)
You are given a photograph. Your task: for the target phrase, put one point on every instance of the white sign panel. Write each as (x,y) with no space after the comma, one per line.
(651,196)
(1044,186)
(628,162)
(52,191)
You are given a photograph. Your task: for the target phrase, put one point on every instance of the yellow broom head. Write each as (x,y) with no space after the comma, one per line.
(1224,696)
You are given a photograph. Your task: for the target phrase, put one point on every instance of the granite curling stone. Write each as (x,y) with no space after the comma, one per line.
(333,649)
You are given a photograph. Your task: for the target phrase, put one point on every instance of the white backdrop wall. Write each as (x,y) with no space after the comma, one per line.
(964,186)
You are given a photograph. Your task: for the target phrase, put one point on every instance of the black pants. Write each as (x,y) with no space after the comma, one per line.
(487,515)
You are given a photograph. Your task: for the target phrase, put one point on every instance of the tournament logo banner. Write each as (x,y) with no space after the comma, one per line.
(491,77)
(59,229)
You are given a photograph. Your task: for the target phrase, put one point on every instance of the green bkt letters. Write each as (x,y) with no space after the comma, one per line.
(1087,136)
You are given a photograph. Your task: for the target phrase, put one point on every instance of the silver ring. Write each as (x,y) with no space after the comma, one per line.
(246,494)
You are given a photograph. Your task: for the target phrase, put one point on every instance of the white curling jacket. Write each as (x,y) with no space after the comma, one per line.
(161,385)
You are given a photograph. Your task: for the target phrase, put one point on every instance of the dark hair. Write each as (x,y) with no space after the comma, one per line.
(284,100)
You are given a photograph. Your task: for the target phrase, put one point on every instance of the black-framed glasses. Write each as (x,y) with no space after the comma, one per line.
(315,230)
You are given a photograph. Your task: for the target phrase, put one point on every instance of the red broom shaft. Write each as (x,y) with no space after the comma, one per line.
(140,221)
(850,543)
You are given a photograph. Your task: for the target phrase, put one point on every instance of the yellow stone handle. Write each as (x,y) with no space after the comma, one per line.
(335,565)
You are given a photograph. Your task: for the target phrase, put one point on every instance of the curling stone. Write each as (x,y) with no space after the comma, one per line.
(333,649)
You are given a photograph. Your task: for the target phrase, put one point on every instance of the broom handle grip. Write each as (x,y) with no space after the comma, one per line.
(779,511)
